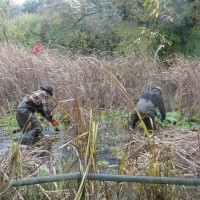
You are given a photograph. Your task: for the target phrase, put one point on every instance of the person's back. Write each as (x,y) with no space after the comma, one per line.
(38,101)
(147,105)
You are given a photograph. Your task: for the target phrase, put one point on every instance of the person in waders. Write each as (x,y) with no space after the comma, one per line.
(37,101)
(147,105)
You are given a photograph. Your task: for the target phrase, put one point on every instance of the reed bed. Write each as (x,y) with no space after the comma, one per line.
(85,79)
(101,83)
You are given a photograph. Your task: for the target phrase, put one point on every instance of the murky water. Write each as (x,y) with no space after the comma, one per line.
(4,147)
(5,141)
(104,153)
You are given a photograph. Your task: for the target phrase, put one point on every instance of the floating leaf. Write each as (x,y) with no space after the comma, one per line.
(103,163)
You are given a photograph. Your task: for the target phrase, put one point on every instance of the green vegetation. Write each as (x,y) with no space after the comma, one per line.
(29,26)
(111,26)
(182,121)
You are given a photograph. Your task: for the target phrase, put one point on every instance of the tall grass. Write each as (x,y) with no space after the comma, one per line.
(97,83)
(83,78)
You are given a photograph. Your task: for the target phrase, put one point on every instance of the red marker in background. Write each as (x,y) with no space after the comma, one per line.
(37,48)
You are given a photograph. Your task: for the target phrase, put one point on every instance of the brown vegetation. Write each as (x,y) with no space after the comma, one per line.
(90,81)
(84,78)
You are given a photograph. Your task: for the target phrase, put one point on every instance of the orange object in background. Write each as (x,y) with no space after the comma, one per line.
(37,48)
(54,122)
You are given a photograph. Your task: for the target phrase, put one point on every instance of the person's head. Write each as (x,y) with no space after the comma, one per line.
(158,89)
(47,88)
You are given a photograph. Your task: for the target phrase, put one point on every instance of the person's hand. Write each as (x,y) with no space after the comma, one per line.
(54,122)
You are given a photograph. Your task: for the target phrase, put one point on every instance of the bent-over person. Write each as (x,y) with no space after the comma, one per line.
(37,101)
(147,105)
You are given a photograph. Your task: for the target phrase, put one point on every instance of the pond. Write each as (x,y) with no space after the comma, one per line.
(108,151)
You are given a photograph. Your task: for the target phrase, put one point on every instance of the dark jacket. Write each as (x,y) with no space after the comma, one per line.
(157,100)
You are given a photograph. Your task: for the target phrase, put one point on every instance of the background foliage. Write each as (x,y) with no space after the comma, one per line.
(95,25)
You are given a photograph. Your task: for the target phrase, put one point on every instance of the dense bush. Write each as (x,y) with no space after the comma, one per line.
(106,26)
(25,29)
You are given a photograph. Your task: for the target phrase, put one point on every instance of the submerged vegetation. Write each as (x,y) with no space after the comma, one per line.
(93,135)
